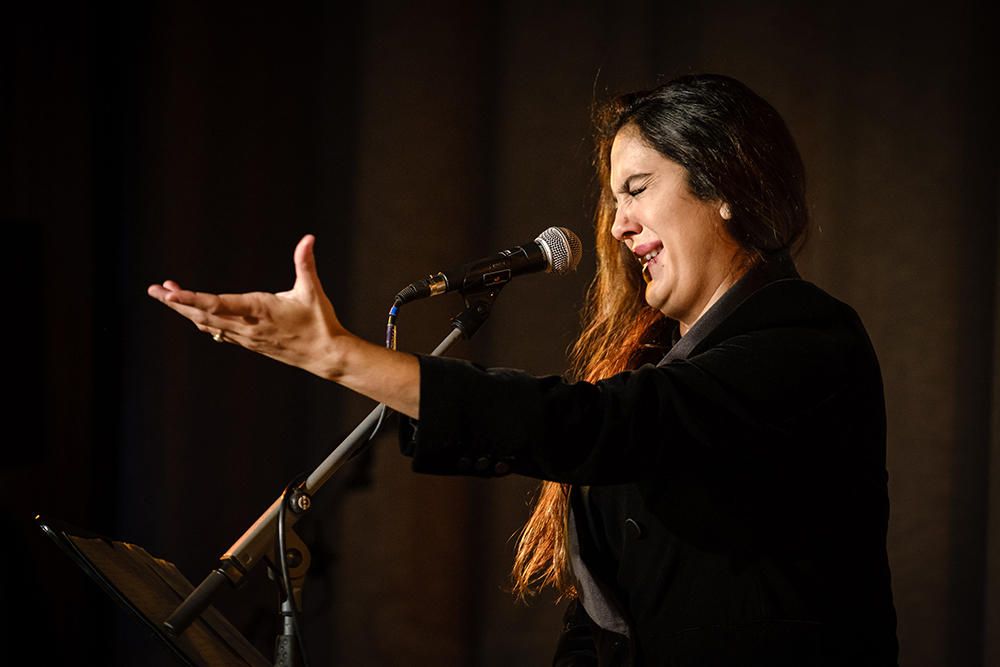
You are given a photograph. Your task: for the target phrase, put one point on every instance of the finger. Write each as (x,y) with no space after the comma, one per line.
(202,300)
(211,331)
(238,305)
(249,307)
(244,340)
(305,266)
(225,336)
(213,322)
(161,290)
(158,292)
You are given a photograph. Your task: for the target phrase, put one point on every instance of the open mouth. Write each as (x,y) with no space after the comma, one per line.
(645,261)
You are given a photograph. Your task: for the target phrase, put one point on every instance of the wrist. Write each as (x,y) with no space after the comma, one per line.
(337,357)
(386,376)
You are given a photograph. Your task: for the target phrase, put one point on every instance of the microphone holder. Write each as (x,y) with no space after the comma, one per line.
(258,541)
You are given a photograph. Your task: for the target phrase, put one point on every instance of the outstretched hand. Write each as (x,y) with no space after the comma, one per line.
(298,327)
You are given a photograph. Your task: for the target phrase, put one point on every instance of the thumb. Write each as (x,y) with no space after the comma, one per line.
(306,278)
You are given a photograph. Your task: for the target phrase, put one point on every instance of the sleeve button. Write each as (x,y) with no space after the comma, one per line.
(634,529)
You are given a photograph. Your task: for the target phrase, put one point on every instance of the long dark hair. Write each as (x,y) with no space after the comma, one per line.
(736,149)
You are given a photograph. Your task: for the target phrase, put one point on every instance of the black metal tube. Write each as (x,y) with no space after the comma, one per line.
(195,603)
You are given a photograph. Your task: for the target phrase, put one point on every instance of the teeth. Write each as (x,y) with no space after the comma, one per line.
(648,257)
(644,261)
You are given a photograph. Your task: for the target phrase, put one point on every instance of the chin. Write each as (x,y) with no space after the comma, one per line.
(656,302)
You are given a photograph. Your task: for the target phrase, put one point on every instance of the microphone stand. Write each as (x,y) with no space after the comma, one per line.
(258,542)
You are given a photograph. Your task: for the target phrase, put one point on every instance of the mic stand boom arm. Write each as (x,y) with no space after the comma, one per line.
(258,541)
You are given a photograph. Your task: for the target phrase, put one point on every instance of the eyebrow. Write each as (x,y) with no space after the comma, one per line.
(627,185)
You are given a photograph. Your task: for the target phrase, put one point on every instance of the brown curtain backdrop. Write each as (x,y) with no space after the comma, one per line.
(143,141)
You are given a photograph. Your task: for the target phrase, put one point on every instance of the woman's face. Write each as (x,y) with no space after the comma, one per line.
(689,258)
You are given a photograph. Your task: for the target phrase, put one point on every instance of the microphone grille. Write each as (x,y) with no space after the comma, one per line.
(562,247)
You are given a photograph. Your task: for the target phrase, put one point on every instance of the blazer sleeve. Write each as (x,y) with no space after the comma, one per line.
(750,396)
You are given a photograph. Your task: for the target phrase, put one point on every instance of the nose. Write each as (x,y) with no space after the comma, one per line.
(624,227)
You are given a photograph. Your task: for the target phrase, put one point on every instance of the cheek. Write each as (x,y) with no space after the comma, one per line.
(684,254)
(695,242)
(681,246)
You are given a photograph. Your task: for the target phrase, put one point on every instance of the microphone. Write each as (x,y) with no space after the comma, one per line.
(556,250)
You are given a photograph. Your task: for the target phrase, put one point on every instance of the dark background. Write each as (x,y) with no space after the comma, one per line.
(142,141)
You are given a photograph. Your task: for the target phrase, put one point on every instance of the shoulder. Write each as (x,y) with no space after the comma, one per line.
(792,310)
(790,342)
(793,302)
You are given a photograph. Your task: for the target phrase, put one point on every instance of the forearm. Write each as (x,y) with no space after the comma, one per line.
(386,376)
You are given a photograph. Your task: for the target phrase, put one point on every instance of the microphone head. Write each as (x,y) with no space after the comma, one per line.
(562,249)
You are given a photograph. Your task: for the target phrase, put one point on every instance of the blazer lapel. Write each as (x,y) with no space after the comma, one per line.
(597,600)
(774,268)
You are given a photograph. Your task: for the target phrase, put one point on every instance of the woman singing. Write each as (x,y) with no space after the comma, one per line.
(715,490)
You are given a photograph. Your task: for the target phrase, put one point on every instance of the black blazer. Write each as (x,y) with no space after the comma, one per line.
(731,503)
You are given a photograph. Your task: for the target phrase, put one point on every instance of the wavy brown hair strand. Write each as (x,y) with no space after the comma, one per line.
(735,148)
(616,324)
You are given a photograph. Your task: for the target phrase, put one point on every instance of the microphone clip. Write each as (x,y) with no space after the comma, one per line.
(478,306)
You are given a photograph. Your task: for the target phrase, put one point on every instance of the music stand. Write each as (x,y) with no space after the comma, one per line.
(150,589)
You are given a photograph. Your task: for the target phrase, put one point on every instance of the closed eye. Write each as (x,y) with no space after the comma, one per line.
(635,184)
(615,204)
(631,187)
